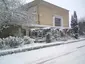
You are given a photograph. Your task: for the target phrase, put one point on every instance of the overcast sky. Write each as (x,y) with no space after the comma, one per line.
(71,5)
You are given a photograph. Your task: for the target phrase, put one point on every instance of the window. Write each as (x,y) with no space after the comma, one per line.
(57,21)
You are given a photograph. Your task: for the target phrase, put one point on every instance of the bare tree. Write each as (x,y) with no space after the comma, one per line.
(11,16)
(9,12)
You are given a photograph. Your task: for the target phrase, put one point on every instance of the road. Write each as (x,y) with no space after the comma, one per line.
(73,56)
(73,53)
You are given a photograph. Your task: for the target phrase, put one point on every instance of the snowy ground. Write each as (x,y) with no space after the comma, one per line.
(72,53)
(34,46)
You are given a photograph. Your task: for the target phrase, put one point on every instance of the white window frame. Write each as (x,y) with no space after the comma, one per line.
(57,16)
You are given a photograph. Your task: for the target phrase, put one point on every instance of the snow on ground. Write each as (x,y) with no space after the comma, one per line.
(39,45)
(75,57)
(42,56)
(31,46)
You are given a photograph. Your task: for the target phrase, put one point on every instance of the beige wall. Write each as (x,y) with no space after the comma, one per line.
(46,13)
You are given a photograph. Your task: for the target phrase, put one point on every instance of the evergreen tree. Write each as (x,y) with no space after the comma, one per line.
(74,24)
(72,21)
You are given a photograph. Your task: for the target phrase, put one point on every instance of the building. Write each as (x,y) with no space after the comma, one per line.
(43,14)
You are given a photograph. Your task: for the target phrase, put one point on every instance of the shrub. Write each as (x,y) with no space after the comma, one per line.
(28,40)
(11,30)
(1,43)
(12,42)
(48,38)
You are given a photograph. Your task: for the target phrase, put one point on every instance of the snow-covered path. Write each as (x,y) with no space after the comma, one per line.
(75,57)
(72,53)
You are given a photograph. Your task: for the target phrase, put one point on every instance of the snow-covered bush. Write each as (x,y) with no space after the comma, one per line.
(1,43)
(28,40)
(12,42)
